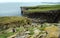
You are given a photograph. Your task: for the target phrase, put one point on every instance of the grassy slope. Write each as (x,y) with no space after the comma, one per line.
(33,9)
(14,21)
(8,19)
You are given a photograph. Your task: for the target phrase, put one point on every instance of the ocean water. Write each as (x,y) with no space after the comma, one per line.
(13,9)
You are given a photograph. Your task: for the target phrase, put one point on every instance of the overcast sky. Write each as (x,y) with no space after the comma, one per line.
(2,1)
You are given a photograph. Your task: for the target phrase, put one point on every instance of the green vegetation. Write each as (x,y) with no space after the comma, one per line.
(23,24)
(7,22)
(33,9)
(5,34)
(12,22)
(46,31)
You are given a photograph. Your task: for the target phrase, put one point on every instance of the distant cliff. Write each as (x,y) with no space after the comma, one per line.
(49,14)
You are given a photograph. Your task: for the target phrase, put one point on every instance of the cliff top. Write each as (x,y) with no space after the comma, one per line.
(32,9)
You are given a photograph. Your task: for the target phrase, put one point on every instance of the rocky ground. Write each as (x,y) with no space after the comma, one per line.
(36,31)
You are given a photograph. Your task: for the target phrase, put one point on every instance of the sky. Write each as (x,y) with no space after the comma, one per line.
(3,1)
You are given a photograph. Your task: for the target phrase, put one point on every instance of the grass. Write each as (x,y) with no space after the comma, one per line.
(3,36)
(33,9)
(8,19)
(39,10)
(31,30)
(10,22)
(7,34)
(13,21)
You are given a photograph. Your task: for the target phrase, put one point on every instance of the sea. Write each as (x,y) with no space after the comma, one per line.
(13,8)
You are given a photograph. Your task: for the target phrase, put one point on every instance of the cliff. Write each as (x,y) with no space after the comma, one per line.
(48,13)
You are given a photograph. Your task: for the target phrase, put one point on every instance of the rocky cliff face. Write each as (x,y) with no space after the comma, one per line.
(47,17)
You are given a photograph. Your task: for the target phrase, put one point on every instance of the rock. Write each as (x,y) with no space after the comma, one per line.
(27,32)
(36,31)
